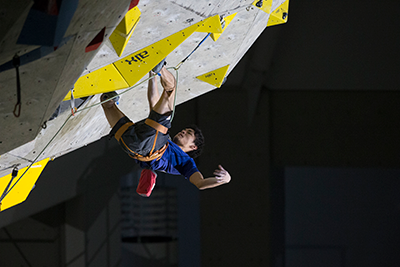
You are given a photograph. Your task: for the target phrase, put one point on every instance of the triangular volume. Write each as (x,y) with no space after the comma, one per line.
(15,190)
(279,15)
(211,24)
(123,32)
(133,4)
(102,80)
(129,70)
(129,21)
(96,42)
(263,5)
(139,63)
(225,23)
(215,77)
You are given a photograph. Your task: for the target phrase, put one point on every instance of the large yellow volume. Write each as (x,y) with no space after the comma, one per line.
(18,190)
(127,71)
(138,64)
(106,79)
(123,32)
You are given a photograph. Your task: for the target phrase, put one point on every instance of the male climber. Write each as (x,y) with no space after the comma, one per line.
(149,144)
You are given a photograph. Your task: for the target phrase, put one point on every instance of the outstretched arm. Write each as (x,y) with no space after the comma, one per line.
(221,177)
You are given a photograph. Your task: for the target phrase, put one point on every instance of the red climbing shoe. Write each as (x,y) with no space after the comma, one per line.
(146,183)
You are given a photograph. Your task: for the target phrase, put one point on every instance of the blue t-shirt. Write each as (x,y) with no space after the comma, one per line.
(173,161)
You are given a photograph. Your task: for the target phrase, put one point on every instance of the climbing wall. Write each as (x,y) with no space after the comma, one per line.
(57,57)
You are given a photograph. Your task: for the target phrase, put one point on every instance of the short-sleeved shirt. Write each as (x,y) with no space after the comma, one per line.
(173,161)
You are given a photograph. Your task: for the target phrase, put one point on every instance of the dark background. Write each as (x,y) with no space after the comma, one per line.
(308,126)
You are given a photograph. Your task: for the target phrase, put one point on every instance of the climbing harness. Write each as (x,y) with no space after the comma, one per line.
(75,111)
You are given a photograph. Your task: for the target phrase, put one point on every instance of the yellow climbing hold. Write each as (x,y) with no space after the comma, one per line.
(215,77)
(227,21)
(279,15)
(263,5)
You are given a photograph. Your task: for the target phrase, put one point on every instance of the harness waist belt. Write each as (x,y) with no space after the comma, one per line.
(155,155)
(156,126)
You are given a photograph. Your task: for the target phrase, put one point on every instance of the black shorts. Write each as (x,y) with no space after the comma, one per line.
(140,137)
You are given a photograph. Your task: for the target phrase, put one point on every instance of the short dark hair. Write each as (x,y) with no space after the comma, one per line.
(198,141)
